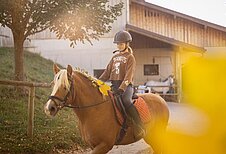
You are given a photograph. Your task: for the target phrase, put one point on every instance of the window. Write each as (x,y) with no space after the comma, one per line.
(97,72)
(151,69)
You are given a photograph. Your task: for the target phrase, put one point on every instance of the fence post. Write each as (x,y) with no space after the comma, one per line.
(31,111)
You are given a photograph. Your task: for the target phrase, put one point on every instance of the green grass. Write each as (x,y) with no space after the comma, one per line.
(60,132)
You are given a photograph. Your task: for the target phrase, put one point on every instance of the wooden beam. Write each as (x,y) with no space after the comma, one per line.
(25,83)
(31,100)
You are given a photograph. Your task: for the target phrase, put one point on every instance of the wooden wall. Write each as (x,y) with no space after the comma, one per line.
(164,57)
(140,41)
(175,27)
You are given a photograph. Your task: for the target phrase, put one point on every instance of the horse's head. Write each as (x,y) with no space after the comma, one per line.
(61,90)
(171,79)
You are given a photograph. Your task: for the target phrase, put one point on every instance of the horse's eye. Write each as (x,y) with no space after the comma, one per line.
(58,77)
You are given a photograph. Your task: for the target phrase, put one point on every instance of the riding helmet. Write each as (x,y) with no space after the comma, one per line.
(122,37)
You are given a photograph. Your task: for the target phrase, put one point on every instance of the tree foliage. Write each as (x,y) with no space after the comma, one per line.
(76,20)
(72,19)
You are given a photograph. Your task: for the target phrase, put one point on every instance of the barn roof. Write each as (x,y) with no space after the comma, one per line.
(181,15)
(162,38)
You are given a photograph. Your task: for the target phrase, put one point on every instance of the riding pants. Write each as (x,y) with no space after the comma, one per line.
(127,95)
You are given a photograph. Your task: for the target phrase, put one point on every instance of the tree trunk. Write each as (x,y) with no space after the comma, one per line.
(19,57)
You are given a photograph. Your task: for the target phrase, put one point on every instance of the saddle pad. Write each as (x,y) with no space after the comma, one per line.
(143,110)
(140,105)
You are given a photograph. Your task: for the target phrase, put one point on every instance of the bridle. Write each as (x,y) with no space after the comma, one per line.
(63,102)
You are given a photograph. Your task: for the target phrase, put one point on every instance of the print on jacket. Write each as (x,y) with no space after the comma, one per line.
(121,67)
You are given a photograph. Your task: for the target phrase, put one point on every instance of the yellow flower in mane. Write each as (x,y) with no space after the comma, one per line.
(103,87)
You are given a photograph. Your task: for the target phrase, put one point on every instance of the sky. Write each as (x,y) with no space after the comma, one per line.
(213,11)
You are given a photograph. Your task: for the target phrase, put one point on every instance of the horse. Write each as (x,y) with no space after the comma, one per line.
(95,113)
(164,86)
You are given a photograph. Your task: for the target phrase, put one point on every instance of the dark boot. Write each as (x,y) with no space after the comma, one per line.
(133,113)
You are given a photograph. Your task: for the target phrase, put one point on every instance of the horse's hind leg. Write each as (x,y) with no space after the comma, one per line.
(102,148)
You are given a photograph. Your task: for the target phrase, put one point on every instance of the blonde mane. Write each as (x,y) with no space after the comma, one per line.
(61,79)
(88,76)
(102,87)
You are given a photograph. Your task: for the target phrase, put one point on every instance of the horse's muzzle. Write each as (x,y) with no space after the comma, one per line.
(50,108)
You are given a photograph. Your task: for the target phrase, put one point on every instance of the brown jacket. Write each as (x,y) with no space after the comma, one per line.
(121,67)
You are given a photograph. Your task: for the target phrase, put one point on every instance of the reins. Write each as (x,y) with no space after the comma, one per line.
(84,107)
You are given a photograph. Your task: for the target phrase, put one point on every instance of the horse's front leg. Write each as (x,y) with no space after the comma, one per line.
(102,148)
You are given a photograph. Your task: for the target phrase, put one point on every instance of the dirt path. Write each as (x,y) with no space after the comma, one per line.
(139,147)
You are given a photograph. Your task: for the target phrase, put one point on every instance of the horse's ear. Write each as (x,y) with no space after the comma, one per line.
(69,70)
(56,69)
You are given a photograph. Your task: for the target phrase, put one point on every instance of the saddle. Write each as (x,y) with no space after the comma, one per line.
(121,116)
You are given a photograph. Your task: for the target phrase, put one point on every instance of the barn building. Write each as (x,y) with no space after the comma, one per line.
(163,40)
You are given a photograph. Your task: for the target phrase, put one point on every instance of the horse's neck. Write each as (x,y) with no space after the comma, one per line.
(86,92)
(170,80)
(90,119)
(86,95)
(167,81)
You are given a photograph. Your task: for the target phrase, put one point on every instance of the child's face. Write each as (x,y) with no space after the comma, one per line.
(121,46)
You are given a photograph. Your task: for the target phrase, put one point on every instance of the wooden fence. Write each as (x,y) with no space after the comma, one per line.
(169,96)
(31,99)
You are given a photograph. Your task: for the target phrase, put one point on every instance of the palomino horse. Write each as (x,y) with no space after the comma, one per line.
(95,112)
